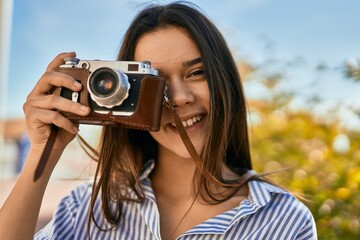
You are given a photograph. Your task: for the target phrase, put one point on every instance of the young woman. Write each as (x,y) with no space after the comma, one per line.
(147,184)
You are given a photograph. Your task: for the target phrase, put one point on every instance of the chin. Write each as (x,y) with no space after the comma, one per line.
(177,150)
(184,153)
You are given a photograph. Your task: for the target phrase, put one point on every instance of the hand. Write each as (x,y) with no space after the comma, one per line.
(41,107)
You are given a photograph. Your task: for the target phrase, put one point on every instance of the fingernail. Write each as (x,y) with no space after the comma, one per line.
(84,108)
(77,84)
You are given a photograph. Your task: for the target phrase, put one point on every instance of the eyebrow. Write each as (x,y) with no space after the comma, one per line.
(192,62)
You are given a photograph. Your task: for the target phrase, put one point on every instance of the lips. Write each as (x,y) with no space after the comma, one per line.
(190,121)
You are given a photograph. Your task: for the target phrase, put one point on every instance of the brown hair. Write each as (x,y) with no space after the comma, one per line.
(124,151)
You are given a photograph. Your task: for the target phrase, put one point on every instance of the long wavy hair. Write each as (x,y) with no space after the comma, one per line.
(123,152)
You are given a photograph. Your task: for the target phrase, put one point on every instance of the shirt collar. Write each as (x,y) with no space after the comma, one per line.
(260,194)
(147,168)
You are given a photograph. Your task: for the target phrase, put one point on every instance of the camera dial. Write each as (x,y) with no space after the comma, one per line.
(71,61)
(108,87)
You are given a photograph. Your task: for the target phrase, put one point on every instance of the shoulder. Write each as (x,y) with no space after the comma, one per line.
(82,191)
(281,210)
(71,211)
(265,195)
(78,196)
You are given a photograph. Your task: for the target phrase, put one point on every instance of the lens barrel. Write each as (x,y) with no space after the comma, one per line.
(108,87)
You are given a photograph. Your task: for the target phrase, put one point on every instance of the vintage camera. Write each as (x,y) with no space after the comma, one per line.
(119,93)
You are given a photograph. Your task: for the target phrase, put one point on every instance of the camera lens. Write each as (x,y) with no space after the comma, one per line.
(104,84)
(108,87)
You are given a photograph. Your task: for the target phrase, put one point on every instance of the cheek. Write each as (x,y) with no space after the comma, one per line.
(203,96)
(156,135)
(167,140)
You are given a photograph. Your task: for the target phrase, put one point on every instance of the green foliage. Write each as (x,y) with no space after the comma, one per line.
(352,70)
(319,159)
(314,166)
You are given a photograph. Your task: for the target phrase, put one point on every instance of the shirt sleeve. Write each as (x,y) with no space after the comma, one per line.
(308,231)
(62,225)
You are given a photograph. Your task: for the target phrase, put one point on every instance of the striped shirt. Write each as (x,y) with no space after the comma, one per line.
(267,213)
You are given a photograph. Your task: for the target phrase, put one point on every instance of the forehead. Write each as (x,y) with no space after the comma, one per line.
(166,46)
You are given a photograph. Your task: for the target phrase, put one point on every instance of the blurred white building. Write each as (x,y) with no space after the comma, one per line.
(6,11)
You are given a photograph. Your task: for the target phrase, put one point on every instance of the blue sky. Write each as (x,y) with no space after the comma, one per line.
(307,33)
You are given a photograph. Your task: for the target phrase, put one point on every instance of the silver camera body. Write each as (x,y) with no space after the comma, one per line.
(112,86)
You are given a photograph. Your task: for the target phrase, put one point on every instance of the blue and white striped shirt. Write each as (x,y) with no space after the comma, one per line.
(267,213)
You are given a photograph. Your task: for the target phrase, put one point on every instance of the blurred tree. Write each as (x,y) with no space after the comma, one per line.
(352,69)
(320,159)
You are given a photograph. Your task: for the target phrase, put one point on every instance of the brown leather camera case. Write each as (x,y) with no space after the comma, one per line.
(147,115)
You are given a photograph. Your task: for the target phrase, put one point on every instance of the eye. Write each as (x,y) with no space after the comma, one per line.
(196,73)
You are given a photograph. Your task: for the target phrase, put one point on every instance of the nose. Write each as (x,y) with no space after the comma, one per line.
(180,93)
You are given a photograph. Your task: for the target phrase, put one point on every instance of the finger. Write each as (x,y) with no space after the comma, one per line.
(54,102)
(59,60)
(49,80)
(41,117)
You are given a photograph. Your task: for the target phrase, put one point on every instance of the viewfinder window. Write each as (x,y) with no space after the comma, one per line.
(133,67)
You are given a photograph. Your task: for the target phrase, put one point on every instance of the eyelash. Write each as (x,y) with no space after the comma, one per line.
(196,73)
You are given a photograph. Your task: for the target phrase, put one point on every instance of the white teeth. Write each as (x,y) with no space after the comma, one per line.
(189,122)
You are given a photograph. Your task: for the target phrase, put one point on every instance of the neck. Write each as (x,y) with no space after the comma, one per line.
(173,175)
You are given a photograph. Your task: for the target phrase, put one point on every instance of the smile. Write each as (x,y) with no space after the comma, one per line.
(189,122)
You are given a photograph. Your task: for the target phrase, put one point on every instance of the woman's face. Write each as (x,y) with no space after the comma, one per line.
(174,54)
